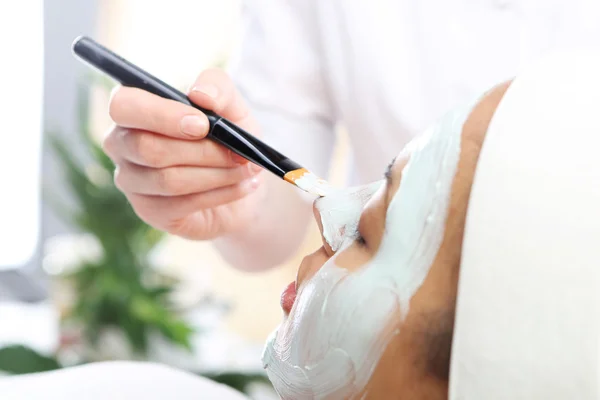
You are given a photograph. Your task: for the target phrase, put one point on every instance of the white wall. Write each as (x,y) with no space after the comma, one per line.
(25,119)
(20,137)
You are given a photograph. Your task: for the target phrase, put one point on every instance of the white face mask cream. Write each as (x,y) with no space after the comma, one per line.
(342,321)
(340,213)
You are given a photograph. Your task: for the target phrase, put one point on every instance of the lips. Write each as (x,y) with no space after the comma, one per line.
(288,296)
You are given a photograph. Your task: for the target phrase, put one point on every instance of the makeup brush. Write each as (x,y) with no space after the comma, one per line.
(221,130)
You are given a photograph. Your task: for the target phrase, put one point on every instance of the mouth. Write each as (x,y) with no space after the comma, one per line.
(288,296)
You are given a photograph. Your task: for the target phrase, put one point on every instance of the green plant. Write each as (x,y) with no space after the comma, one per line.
(238,380)
(120,290)
(17,359)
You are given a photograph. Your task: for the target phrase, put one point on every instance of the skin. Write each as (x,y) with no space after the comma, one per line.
(181,183)
(415,364)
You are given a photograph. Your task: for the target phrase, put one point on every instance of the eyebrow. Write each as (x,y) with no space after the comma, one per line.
(388,173)
(388,180)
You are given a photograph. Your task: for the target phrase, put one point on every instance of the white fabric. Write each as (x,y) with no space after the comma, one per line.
(115,381)
(527,323)
(387,69)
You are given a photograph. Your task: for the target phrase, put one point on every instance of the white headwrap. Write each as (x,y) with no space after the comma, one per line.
(527,314)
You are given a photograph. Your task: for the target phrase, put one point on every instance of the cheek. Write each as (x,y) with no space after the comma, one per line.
(353,257)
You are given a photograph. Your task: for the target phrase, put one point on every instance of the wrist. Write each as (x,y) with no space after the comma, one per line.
(250,216)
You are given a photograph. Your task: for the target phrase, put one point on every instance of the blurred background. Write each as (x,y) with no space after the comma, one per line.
(81,278)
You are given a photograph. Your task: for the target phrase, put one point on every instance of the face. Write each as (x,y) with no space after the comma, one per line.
(374,308)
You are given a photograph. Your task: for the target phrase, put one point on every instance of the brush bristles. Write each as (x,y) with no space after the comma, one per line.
(308,182)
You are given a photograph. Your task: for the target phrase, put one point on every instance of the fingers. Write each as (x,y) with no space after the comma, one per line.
(138,109)
(214,90)
(161,211)
(168,175)
(158,151)
(177,181)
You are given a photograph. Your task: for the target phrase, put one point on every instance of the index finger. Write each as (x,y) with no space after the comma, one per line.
(138,109)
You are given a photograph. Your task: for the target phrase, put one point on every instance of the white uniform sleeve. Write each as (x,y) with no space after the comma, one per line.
(279,71)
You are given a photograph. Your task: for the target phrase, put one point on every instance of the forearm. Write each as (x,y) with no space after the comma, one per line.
(276,231)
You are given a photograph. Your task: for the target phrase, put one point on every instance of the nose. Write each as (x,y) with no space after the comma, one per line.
(338,214)
(313,262)
(317,213)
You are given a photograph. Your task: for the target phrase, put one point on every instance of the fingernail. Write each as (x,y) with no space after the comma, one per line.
(236,158)
(193,125)
(208,89)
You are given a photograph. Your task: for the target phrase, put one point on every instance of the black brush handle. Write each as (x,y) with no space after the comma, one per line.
(221,130)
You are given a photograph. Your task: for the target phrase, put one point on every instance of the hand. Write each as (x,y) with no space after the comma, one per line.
(176,180)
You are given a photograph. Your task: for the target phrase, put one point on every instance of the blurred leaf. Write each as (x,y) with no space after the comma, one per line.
(160,291)
(178,331)
(61,210)
(114,291)
(237,380)
(83,111)
(19,359)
